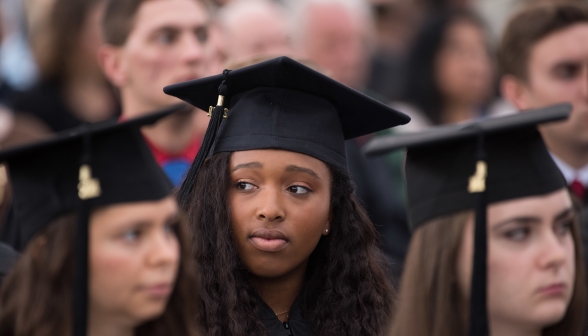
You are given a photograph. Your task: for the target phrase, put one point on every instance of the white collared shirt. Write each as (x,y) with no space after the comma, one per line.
(571,174)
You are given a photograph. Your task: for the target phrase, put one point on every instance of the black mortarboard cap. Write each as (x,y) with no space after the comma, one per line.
(75,171)
(281,104)
(467,166)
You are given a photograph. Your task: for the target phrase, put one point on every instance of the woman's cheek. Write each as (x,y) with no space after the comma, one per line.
(112,271)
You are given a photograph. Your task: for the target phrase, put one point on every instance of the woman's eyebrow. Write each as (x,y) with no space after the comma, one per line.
(138,225)
(294,168)
(569,212)
(254,164)
(535,220)
(521,219)
(173,218)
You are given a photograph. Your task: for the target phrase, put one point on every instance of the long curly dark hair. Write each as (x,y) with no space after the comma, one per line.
(346,291)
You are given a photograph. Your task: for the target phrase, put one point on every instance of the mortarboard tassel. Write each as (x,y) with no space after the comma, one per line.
(478,290)
(217,113)
(88,188)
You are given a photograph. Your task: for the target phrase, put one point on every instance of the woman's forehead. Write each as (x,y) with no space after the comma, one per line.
(545,207)
(267,155)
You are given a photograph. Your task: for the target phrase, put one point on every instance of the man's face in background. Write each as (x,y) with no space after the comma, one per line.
(165,46)
(558,72)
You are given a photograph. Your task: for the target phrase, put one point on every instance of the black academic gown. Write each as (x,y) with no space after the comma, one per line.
(7,258)
(296,325)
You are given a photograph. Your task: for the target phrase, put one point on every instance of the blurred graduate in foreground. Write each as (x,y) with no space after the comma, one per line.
(496,247)
(105,250)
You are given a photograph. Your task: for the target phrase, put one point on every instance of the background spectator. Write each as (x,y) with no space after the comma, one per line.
(151,44)
(337,35)
(450,70)
(544,60)
(252,29)
(72,88)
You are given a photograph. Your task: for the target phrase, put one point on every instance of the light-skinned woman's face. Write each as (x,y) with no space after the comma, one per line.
(280,204)
(531,261)
(134,260)
(463,65)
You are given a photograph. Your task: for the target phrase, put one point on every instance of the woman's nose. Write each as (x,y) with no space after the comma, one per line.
(164,250)
(271,207)
(553,251)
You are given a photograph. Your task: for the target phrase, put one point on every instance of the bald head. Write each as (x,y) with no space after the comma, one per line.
(337,35)
(254,29)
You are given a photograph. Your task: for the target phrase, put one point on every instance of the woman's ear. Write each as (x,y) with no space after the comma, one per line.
(327,227)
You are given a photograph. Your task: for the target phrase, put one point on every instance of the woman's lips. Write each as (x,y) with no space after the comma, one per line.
(159,291)
(269,240)
(556,289)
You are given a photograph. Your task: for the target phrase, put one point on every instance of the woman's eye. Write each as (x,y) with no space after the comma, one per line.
(563,228)
(517,234)
(131,235)
(244,186)
(298,190)
(170,228)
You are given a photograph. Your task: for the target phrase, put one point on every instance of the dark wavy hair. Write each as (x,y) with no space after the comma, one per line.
(346,291)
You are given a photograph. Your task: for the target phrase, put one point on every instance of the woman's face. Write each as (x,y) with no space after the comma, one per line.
(134,259)
(280,205)
(463,65)
(531,262)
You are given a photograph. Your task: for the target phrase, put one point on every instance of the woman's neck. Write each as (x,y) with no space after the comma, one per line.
(279,293)
(456,112)
(108,327)
(512,329)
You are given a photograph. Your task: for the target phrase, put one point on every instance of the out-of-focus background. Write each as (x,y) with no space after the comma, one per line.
(385,48)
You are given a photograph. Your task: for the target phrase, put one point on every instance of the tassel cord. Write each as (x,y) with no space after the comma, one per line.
(80,297)
(478,292)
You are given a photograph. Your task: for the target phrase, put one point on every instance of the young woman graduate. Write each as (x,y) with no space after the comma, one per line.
(102,237)
(495,232)
(283,246)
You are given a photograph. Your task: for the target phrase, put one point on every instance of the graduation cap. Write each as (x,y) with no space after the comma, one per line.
(281,104)
(74,172)
(467,166)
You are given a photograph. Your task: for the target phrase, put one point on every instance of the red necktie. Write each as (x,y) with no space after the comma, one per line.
(578,189)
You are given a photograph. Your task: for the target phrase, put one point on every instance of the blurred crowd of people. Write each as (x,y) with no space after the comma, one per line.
(397,51)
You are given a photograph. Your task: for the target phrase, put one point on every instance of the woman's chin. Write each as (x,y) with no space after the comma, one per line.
(268,272)
(149,312)
(550,313)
